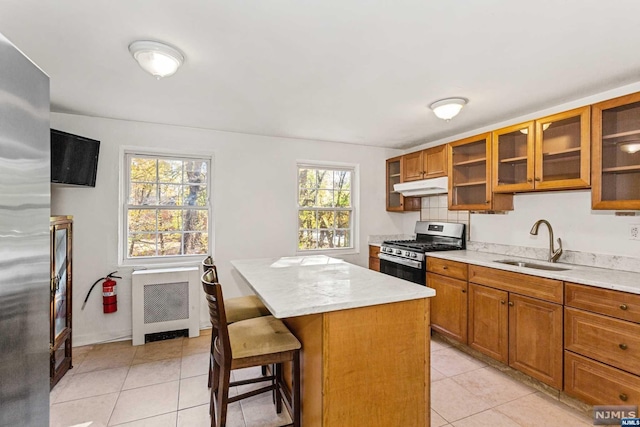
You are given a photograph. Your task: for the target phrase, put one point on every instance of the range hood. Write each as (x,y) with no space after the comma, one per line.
(424,187)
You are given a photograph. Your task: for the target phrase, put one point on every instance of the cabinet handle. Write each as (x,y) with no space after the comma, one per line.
(464,291)
(622,346)
(486,202)
(444,267)
(502,301)
(510,303)
(529,180)
(623,397)
(623,306)
(538,179)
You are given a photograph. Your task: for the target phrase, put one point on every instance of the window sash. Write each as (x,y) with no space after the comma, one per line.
(155,230)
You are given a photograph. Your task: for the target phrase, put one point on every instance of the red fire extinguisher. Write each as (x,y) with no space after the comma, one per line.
(109,295)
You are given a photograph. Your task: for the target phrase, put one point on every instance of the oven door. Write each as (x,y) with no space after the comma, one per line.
(403,268)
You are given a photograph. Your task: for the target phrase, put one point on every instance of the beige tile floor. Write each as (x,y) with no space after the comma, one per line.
(164,384)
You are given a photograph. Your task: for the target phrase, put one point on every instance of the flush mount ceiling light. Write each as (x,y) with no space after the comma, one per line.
(630,147)
(158,59)
(446,109)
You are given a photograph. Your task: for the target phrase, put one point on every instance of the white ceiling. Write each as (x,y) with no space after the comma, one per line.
(356,71)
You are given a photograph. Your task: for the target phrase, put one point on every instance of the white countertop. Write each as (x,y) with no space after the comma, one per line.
(296,286)
(626,281)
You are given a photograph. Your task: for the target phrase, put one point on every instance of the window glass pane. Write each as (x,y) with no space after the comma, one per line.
(195,195)
(142,220)
(307,197)
(143,194)
(307,239)
(325,239)
(196,243)
(195,220)
(343,219)
(170,171)
(195,171)
(325,179)
(342,180)
(342,199)
(169,243)
(142,244)
(325,219)
(325,198)
(307,219)
(341,239)
(141,169)
(170,195)
(169,220)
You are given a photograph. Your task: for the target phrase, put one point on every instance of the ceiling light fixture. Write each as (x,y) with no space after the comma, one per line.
(158,59)
(630,147)
(446,109)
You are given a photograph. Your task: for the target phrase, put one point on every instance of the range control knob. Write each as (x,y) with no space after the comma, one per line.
(414,255)
(398,252)
(407,253)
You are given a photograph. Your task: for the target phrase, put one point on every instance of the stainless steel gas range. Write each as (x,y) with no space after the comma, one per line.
(406,258)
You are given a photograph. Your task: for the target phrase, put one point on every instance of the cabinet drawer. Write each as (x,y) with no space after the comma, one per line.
(622,305)
(457,270)
(599,384)
(374,251)
(612,341)
(523,284)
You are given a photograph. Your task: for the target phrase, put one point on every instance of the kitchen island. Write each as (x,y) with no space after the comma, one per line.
(365,339)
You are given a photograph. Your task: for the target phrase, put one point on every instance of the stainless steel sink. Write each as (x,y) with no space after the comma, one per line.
(530,265)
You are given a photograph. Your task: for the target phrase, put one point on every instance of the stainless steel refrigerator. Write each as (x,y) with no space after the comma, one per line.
(24,240)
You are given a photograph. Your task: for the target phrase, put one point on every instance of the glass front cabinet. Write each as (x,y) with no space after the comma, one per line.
(60,229)
(616,154)
(550,153)
(396,202)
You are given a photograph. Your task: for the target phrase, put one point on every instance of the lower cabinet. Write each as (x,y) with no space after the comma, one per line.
(516,329)
(374,261)
(449,306)
(602,345)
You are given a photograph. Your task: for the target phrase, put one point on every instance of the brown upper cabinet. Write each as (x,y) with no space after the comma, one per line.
(550,153)
(616,153)
(470,176)
(396,202)
(429,163)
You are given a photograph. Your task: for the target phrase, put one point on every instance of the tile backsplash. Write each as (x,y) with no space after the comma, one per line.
(435,208)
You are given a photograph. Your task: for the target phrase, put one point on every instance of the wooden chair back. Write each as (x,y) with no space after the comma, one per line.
(208,264)
(217,314)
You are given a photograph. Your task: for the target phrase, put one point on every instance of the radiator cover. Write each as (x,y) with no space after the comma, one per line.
(165,300)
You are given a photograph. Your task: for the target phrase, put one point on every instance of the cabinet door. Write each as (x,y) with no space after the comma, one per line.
(535,338)
(513,156)
(412,168)
(435,162)
(616,153)
(562,150)
(488,321)
(449,306)
(394,176)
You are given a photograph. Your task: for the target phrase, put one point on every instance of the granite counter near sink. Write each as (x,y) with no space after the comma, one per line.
(626,281)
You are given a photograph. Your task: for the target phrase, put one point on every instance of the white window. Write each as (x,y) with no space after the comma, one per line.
(166,206)
(326,214)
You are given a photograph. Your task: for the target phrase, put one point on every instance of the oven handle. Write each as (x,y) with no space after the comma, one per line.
(398,260)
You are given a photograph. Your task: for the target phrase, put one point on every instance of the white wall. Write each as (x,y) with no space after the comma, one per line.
(254,201)
(570,215)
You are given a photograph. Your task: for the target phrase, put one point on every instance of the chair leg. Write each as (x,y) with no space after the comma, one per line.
(295,393)
(222,395)
(279,382)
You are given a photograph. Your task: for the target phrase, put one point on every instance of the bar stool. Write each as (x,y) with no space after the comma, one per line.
(254,342)
(239,308)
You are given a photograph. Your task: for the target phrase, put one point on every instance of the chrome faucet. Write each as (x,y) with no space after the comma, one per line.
(553,254)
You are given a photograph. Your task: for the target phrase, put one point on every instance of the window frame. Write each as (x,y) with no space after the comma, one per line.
(355,211)
(125,154)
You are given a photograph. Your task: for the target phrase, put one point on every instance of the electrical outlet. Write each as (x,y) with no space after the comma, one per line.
(634,231)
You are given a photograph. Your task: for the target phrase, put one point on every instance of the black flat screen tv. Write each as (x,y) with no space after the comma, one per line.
(74,159)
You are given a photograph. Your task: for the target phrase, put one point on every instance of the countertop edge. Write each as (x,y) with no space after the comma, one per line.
(618,280)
